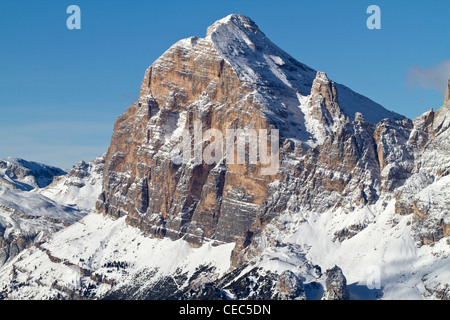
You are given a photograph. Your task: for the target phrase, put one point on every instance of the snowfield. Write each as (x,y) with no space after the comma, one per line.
(80,188)
(98,244)
(28,215)
(381,260)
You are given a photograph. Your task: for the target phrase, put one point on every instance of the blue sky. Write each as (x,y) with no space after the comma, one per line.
(61,90)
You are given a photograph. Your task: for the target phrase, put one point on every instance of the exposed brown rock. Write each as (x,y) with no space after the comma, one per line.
(325,102)
(336,285)
(10,247)
(160,197)
(349,232)
(289,287)
(403,208)
(428,226)
(232,202)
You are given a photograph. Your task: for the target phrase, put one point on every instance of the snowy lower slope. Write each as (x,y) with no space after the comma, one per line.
(33,205)
(102,257)
(99,257)
(29,217)
(377,252)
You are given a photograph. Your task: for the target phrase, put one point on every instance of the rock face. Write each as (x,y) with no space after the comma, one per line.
(289,287)
(188,83)
(254,284)
(431,213)
(9,248)
(336,285)
(234,78)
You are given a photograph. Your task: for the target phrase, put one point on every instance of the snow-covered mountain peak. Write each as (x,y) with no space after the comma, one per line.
(27,175)
(237,20)
(321,77)
(257,61)
(284,90)
(270,71)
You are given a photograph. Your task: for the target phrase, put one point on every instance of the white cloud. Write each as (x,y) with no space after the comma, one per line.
(434,78)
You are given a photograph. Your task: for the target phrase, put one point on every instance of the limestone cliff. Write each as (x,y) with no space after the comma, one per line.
(234,78)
